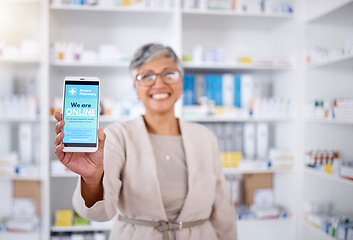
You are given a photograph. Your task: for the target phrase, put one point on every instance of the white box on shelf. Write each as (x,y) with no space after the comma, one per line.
(249,140)
(246,90)
(25,142)
(262,136)
(228,90)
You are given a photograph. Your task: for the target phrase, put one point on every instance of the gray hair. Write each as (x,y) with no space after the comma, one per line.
(150,52)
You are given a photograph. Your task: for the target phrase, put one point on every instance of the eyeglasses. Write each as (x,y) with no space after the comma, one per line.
(149,78)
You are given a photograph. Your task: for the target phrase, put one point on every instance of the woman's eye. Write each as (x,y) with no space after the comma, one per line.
(148,77)
(169,74)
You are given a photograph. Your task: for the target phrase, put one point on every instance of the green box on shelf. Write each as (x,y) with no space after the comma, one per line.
(80,221)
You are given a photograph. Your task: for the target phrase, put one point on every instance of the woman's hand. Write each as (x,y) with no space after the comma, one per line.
(88,165)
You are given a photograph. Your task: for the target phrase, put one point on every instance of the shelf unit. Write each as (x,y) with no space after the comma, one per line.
(20,60)
(175,26)
(268,226)
(318,232)
(237,120)
(232,171)
(338,61)
(331,12)
(19,236)
(330,122)
(111,9)
(21,178)
(333,76)
(236,14)
(331,177)
(15,73)
(88,64)
(176,19)
(233,66)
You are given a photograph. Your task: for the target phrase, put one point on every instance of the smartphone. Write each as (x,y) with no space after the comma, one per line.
(81,114)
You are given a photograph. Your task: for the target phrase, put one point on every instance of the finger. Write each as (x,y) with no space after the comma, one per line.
(59,126)
(59,152)
(59,138)
(101,139)
(58,116)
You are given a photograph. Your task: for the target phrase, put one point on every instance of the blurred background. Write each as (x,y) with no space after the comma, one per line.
(271,78)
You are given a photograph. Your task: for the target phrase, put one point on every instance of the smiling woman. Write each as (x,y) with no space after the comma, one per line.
(161,174)
(159,85)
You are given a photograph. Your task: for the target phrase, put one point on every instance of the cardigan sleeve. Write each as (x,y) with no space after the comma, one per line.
(114,160)
(223,213)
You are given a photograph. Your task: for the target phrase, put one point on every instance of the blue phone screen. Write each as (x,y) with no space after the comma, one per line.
(80,113)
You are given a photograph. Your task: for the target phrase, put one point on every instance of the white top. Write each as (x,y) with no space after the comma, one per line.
(171,171)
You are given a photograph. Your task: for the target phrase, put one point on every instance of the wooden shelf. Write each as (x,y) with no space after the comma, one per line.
(328,176)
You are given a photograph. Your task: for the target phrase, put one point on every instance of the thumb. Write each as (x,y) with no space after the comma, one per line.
(101,139)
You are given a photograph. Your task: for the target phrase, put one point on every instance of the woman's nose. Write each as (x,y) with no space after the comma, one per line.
(159,81)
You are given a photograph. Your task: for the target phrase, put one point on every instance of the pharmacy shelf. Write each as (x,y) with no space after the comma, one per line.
(328,176)
(18,120)
(19,236)
(333,122)
(233,66)
(81,229)
(323,235)
(340,14)
(20,60)
(343,61)
(233,171)
(90,64)
(236,14)
(18,1)
(21,178)
(129,9)
(63,175)
(241,223)
(234,119)
(191,66)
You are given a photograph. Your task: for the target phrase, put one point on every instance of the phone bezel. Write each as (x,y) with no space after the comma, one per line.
(82,148)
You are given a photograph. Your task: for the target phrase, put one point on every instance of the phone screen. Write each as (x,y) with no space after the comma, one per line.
(81,101)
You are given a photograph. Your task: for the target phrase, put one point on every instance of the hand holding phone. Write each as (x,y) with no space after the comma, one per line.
(80,144)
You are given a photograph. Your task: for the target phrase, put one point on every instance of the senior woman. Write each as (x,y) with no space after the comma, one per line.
(163,176)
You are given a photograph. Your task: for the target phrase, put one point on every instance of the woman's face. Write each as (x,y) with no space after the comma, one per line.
(159,98)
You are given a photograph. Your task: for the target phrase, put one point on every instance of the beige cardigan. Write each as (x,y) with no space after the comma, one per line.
(131,186)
